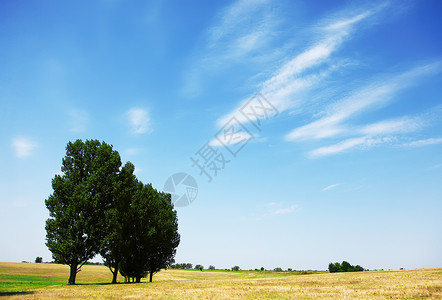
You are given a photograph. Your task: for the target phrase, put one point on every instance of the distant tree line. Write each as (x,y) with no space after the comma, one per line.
(98,206)
(189,266)
(344,267)
(184,266)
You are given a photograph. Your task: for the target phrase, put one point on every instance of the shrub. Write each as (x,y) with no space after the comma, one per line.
(277,269)
(344,267)
(199,267)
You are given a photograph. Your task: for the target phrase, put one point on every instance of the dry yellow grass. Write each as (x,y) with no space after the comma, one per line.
(176,284)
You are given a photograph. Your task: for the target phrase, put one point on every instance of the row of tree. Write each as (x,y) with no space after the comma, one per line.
(344,267)
(100,207)
(184,266)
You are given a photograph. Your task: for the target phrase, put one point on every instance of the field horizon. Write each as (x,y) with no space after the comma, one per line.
(49,281)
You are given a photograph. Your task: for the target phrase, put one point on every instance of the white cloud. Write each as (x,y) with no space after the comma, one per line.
(360,142)
(233,19)
(372,96)
(288,80)
(138,120)
(345,23)
(23,147)
(238,137)
(306,72)
(383,132)
(400,125)
(240,34)
(425,142)
(278,97)
(285,210)
(273,209)
(137,171)
(132,151)
(78,120)
(332,186)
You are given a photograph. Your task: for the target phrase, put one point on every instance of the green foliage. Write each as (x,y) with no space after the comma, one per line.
(115,242)
(79,203)
(277,269)
(184,266)
(358,268)
(151,230)
(344,267)
(211,267)
(38,260)
(199,267)
(96,207)
(236,268)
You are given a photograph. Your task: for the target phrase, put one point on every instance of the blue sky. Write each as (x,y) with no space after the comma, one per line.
(346,165)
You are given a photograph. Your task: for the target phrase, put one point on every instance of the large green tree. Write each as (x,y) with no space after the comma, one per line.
(164,236)
(118,216)
(80,202)
(152,235)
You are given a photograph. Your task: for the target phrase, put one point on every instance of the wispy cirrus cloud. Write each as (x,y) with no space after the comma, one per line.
(132,151)
(424,142)
(383,132)
(332,186)
(232,18)
(271,210)
(373,96)
(285,210)
(307,72)
(436,166)
(363,142)
(276,208)
(240,34)
(78,121)
(139,120)
(308,68)
(23,147)
(336,120)
(405,124)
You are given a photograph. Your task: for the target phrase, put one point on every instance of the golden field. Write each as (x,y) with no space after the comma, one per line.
(92,281)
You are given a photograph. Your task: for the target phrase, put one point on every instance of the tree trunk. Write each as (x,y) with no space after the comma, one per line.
(138,279)
(115,274)
(73,273)
(150,276)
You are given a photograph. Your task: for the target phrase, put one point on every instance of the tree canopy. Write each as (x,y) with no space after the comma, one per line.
(344,267)
(99,207)
(78,205)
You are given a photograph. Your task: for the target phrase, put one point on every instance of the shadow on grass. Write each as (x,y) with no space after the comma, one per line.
(91,283)
(15,293)
(104,283)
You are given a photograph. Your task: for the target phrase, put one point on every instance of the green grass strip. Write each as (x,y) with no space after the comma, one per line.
(13,284)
